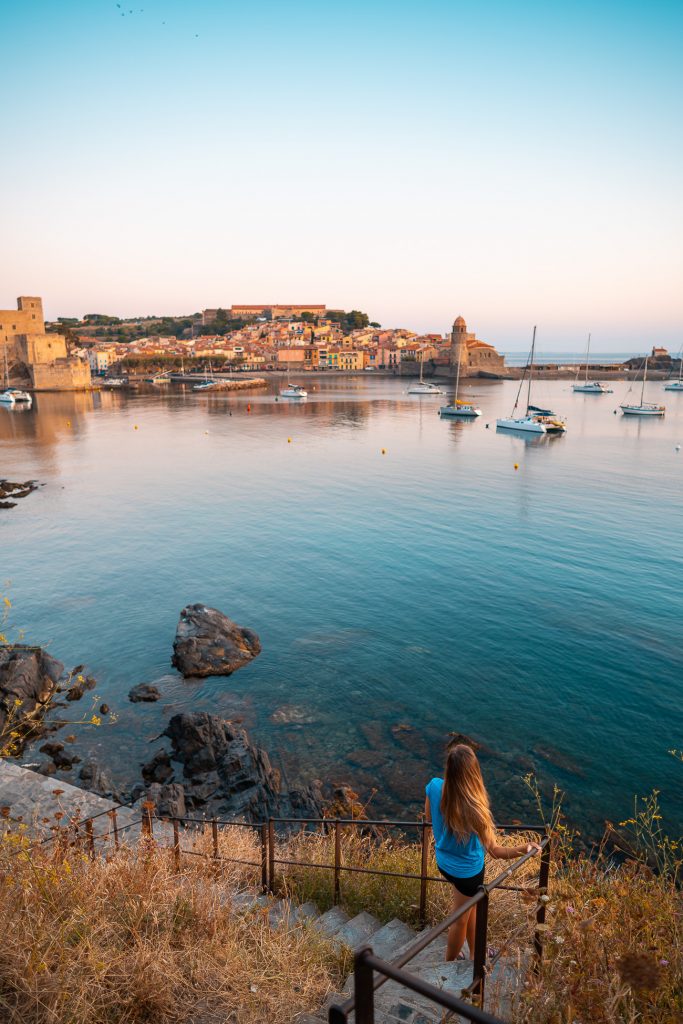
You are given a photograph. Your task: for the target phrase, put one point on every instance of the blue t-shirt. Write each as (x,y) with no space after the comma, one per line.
(460,859)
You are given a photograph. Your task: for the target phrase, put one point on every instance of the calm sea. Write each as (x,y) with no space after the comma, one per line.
(398,596)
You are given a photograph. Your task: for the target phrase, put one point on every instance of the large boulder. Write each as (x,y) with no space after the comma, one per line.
(28,678)
(225,775)
(208,643)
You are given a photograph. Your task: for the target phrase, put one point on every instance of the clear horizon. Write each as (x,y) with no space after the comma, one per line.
(512,164)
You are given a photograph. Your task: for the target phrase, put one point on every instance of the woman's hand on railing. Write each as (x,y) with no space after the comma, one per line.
(528,848)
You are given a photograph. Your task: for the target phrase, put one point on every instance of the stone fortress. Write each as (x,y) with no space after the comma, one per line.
(475,358)
(34,359)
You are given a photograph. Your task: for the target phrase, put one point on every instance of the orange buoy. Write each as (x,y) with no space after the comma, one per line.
(289,440)
(135,427)
(68,423)
(384,451)
(248,406)
(516,465)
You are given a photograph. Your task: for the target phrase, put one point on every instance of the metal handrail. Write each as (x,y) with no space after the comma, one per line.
(339,1012)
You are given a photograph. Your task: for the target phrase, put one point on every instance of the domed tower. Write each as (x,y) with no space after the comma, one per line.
(459,343)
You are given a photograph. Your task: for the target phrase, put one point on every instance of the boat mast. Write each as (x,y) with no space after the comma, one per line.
(422,363)
(4,349)
(588,348)
(457,381)
(531,367)
(642,390)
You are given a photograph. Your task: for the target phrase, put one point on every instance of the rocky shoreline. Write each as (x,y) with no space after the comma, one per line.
(11,490)
(206,765)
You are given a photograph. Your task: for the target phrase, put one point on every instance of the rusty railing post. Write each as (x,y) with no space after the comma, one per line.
(481,909)
(264,858)
(271,855)
(176,845)
(337,861)
(90,837)
(363,988)
(214,837)
(114,827)
(424,862)
(543,877)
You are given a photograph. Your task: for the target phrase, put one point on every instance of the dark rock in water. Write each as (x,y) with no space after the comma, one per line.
(10,489)
(169,800)
(226,775)
(96,779)
(75,692)
(459,738)
(159,769)
(28,675)
(143,692)
(65,761)
(208,643)
(47,768)
(104,709)
(51,749)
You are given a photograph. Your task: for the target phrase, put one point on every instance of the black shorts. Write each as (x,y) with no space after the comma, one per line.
(465,886)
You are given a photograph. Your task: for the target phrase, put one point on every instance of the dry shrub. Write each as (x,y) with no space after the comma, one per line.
(125,939)
(614,948)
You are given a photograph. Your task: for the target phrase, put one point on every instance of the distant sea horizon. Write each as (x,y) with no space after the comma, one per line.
(571,358)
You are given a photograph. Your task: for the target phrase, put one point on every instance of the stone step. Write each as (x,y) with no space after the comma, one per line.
(331,921)
(358,931)
(391,937)
(246,901)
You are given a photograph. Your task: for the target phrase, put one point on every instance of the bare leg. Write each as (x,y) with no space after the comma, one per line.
(457,931)
(471,930)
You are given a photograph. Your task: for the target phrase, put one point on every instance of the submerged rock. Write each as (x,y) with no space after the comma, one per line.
(208,643)
(143,693)
(226,775)
(96,779)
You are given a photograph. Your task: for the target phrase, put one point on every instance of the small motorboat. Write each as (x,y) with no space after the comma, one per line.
(674,385)
(293,391)
(205,385)
(592,387)
(13,396)
(423,387)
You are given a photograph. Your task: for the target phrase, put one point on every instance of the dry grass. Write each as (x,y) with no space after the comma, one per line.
(126,941)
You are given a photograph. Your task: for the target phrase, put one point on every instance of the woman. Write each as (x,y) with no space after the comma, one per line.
(458,808)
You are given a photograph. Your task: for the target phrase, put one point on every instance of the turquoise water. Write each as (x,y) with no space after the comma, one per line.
(397,596)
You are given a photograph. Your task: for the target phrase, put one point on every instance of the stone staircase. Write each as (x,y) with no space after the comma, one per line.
(394,1004)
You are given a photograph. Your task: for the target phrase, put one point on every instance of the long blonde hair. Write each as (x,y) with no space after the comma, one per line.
(464,801)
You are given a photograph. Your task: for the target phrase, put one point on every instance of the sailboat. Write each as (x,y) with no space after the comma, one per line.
(535,420)
(13,396)
(590,387)
(643,408)
(292,390)
(423,387)
(459,409)
(677,385)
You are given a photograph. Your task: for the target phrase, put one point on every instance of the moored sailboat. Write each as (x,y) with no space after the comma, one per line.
(676,385)
(590,387)
(643,408)
(459,409)
(535,420)
(423,387)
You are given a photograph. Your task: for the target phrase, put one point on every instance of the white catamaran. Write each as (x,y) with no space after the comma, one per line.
(643,408)
(459,409)
(590,387)
(423,387)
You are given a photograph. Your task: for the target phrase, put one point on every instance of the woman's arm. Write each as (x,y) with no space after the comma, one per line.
(510,852)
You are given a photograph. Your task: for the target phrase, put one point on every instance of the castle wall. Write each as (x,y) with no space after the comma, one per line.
(42,348)
(26,319)
(71,374)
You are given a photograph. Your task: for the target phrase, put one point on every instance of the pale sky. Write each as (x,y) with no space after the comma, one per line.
(516,163)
